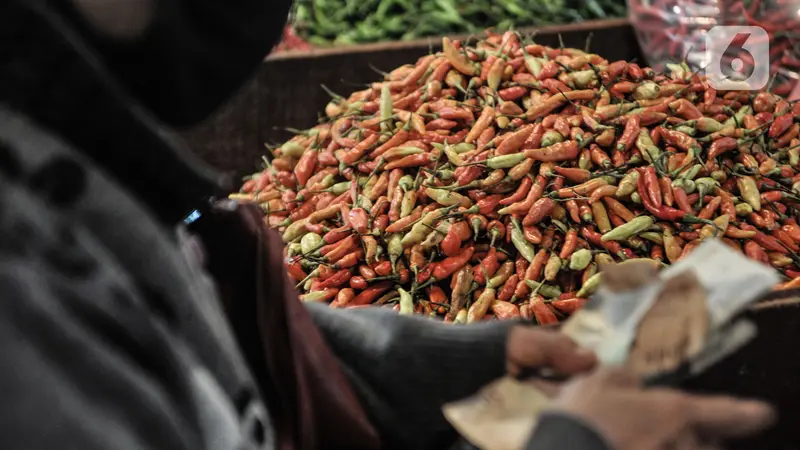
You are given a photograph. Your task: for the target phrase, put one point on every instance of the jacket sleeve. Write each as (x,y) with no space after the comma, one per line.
(405,368)
(563,432)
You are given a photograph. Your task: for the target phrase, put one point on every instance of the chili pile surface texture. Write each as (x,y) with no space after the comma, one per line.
(497,181)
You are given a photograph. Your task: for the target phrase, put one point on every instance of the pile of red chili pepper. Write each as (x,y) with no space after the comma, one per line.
(671,30)
(498,180)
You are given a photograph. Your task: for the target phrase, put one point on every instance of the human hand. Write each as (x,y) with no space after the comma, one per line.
(630,417)
(532,347)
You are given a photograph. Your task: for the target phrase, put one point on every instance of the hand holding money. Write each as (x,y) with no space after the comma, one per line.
(647,328)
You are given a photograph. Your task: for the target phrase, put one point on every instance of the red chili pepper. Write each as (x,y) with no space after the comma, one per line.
(532,234)
(359,220)
(616,220)
(562,151)
(780,125)
(371,293)
(514,142)
(755,252)
(296,270)
(506,293)
(595,238)
(787,240)
(543,314)
(628,138)
(450,265)
(721,146)
(349,260)
(488,205)
(305,166)
(489,263)
(568,305)
(652,187)
(708,211)
(523,190)
(685,109)
(587,216)
(570,244)
(600,157)
(540,210)
(678,139)
(452,243)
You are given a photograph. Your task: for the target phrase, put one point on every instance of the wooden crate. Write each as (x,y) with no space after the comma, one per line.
(286,90)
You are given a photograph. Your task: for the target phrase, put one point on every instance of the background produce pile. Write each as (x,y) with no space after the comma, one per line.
(671,30)
(291,41)
(342,22)
(497,180)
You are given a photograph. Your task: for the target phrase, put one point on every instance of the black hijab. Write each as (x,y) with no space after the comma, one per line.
(110,98)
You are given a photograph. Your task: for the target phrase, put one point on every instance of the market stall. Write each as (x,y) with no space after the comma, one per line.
(467,186)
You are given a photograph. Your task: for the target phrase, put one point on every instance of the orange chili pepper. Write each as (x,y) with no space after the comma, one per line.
(615,207)
(574,175)
(572,208)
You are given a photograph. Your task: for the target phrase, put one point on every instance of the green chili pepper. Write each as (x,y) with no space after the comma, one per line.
(582,78)
(692,172)
(406,302)
(453,156)
(627,185)
(545,290)
(505,161)
(646,91)
(340,188)
(518,239)
(448,198)
(316,296)
(738,118)
(292,150)
(635,198)
(294,249)
(406,182)
(551,137)
(705,186)
(295,230)
(395,248)
(652,236)
(580,259)
(650,152)
(632,228)
(794,156)
(749,192)
(310,242)
(420,230)
(591,285)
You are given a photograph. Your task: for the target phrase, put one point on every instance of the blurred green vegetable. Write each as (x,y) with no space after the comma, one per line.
(343,22)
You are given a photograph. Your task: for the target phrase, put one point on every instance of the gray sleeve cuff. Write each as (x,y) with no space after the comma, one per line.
(565,432)
(406,368)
